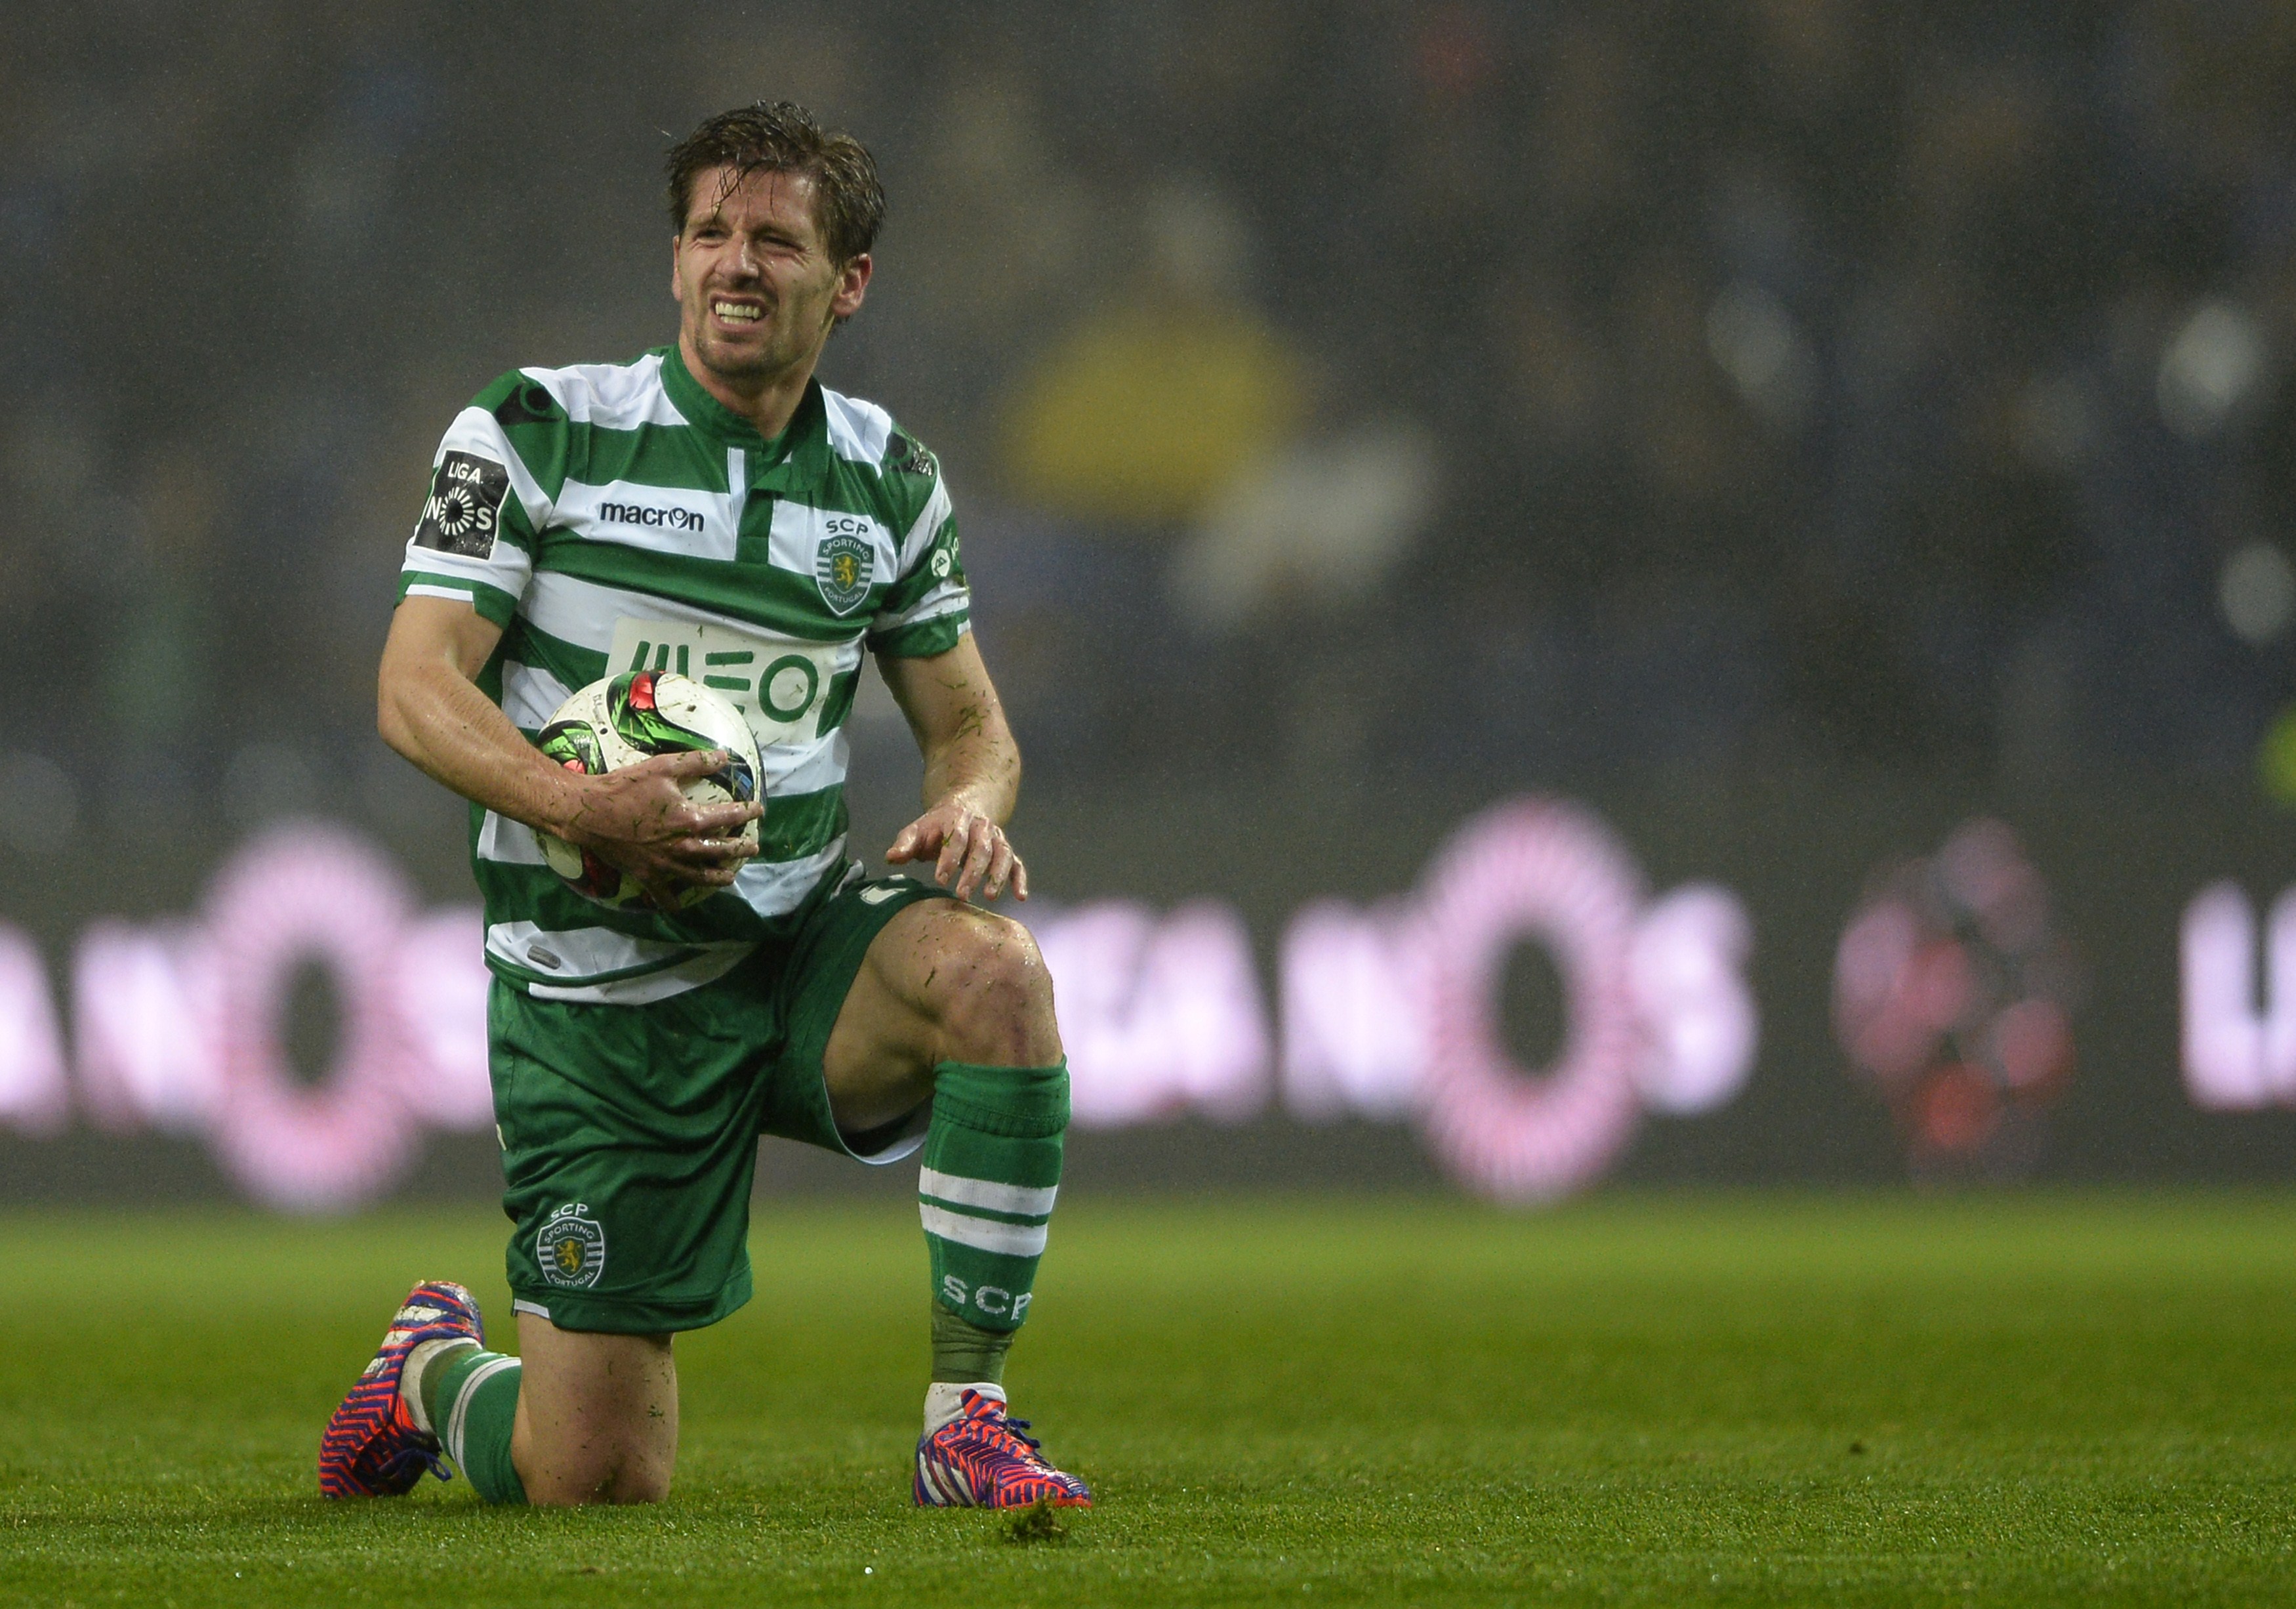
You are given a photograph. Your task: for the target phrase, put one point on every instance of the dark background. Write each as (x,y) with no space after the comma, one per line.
(1834,421)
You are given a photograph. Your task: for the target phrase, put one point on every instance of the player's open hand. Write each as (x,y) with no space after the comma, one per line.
(639,819)
(965,843)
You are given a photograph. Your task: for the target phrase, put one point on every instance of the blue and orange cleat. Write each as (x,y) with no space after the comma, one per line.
(980,1459)
(372,1447)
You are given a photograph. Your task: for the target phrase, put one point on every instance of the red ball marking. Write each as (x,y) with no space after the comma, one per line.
(598,877)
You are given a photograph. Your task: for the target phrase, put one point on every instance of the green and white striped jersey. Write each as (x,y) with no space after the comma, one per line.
(615,516)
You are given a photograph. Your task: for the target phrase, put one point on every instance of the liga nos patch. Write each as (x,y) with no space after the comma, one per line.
(462,515)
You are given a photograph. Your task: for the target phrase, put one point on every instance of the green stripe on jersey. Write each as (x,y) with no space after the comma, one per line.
(756,593)
(643,520)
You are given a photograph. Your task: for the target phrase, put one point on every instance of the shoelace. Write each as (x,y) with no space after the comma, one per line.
(427,1457)
(990,1424)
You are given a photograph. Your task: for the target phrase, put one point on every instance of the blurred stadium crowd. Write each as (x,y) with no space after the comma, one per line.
(1524,390)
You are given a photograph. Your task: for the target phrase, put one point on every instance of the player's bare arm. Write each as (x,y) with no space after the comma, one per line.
(972,772)
(430,710)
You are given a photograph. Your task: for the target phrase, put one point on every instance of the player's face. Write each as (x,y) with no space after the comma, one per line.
(757,291)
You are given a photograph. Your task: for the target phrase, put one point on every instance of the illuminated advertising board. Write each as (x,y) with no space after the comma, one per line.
(1389,1012)
(1896,974)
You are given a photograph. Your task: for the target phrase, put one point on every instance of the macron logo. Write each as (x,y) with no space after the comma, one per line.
(638,514)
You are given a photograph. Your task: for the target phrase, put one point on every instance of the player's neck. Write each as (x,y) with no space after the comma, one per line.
(768,404)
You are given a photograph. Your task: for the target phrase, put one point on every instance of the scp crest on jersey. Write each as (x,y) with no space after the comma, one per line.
(464,513)
(571,1247)
(843,563)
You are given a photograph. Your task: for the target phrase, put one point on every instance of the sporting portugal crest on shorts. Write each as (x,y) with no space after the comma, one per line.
(841,564)
(571,1247)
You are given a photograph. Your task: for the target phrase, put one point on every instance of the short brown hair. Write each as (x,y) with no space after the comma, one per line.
(781,137)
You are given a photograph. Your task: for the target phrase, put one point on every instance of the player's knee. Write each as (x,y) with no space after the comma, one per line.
(991,993)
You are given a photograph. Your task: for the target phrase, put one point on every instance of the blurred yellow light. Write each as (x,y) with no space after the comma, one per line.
(1146,414)
(2275,759)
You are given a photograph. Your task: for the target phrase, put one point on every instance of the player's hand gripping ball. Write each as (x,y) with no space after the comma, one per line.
(633,717)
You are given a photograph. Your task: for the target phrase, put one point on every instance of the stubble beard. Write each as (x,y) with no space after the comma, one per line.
(731,364)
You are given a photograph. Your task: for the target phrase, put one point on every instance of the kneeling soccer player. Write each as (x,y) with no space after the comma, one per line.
(710,508)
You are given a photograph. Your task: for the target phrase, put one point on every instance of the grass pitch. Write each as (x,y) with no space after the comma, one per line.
(1681,1400)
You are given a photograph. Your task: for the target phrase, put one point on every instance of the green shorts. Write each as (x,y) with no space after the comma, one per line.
(629,1133)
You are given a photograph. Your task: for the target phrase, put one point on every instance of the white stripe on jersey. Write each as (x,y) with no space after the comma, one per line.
(858,430)
(508,842)
(712,535)
(935,512)
(799,532)
(531,695)
(579,953)
(585,613)
(776,888)
(617,396)
(946,598)
(804,768)
(649,987)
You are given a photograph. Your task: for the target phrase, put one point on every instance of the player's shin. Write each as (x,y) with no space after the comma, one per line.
(992,1167)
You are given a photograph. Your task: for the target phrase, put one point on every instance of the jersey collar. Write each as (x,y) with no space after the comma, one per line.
(800,452)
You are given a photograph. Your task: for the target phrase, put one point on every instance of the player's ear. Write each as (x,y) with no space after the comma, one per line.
(676,292)
(852,284)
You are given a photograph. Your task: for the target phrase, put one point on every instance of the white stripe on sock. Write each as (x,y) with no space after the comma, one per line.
(419,1358)
(982,1234)
(984,1193)
(458,1412)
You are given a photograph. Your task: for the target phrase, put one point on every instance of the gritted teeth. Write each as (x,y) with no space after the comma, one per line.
(740,312)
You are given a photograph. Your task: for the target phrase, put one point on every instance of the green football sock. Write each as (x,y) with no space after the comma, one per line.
(965,1354)
(992,1166)
(471,1397)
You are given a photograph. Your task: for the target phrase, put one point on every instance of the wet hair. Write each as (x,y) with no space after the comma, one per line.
(780,136)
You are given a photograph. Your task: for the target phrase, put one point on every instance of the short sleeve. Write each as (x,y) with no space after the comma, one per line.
(492,485)
(928,606)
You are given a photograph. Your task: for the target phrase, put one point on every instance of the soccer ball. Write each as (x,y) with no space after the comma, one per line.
(629,717)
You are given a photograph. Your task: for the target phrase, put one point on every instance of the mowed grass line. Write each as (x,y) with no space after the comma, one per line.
(1637,1398)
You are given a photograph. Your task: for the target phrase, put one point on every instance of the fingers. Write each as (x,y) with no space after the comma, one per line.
(717,820)
(953,847)
(688,762)
(978,859)
(679,867)
(969,851)
(686,767)
(915,842)
(1000,868)
(705,857)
